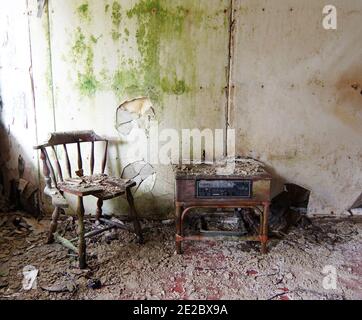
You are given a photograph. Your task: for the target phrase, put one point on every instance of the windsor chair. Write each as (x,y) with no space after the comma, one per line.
(101,186)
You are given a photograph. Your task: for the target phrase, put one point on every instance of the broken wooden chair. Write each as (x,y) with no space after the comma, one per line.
(101,186)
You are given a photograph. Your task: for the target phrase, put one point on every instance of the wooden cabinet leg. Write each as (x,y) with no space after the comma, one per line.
(264,235)
(99,209)
(81,242)
(53,225)
(178,230)
(134,216)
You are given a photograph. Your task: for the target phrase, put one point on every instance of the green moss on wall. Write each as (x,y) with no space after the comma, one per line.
(116,35)
(116,14)
(173,86)
(116,17)
(79,46)
(83,11)
(87,83)
(95,39)
(126,82)
(83,58)
(156,22)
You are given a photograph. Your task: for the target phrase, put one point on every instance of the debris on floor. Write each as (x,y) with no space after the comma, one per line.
(4,202)
(122,269)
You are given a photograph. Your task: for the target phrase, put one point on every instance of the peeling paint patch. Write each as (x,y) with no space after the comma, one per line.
(137,112)
(138,106)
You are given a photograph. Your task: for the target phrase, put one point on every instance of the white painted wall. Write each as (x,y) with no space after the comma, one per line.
(292,103)
(191,50)
(18,121)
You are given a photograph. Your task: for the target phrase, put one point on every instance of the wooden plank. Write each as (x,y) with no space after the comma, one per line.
(64,242)
(94,233)
(200,237)
(114,224)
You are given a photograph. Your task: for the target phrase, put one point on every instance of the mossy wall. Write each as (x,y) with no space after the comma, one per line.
(106,52)
(295,98)
(165,60)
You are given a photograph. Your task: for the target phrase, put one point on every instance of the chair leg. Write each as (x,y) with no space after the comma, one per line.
(99,209)
(81,231)
(178,230)
(264,236)
(134,216)
(53,225)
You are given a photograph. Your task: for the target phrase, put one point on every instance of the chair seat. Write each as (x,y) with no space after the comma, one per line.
(100,186)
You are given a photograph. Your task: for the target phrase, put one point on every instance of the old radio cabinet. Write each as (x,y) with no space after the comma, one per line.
(200,186)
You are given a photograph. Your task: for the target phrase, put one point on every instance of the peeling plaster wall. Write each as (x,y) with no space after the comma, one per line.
(90,56)
(294,103)
(293,100)
(18,130)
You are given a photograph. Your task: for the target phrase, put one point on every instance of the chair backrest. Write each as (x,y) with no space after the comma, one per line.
(66,138)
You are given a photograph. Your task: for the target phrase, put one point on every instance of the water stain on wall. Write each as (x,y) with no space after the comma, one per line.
(348,108)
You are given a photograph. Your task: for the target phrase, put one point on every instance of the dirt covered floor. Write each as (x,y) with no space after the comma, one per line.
(119,268)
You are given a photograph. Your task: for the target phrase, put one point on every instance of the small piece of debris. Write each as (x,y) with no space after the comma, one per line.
(94,284)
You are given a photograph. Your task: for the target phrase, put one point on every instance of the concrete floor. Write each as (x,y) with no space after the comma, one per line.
(293,269)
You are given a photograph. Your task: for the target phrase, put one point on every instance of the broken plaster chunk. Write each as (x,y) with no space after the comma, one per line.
(134,113)
(126,120)
(142,173)
(30,274)
(138,105)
